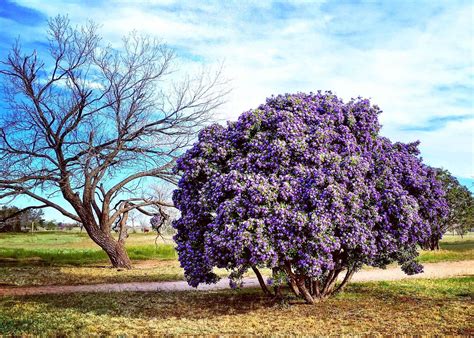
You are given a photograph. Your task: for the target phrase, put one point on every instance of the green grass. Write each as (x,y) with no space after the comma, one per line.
(84,256)
(428,307)
(78,249)
(61,258)
(450,250)
(35,275)
(56,248)
(67,240)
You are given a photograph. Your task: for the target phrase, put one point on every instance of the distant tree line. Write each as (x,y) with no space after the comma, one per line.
(12,219)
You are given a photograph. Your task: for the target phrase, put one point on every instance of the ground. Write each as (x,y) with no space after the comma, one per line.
(441,306)
(412,306)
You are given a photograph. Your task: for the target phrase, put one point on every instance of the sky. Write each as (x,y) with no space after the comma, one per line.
(414,59)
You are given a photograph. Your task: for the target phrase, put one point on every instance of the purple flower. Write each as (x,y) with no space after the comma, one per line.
(304,180)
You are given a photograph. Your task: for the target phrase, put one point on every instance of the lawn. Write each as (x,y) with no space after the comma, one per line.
(75,248)
(441,306)
(452,248)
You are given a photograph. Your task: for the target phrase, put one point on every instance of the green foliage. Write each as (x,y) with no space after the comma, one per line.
(459,250)
(461,204)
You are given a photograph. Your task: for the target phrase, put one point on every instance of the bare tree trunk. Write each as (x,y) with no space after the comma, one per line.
(293,287)
(261,281)
(316,288)
(345,281)
(118,255)
(115,250)
(431,244)
(300,282)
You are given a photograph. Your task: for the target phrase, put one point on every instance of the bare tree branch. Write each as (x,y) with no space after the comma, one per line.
(93,124)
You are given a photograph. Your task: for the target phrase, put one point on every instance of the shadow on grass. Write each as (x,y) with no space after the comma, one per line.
(209,304)
(463,245)
(158,305)
(34,275)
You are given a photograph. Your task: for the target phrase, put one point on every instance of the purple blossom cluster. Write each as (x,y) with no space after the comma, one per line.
(156,221)
(304,181)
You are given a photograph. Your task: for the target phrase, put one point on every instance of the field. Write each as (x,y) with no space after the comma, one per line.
(421,306)
(77,248)
(65,258)
(442,306)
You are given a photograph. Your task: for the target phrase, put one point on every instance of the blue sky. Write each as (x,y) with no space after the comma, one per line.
(412,58)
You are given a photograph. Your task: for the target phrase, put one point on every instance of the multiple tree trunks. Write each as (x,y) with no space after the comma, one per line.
(431,244)
(311,290)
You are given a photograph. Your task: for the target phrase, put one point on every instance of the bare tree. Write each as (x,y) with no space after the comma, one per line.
(93,124)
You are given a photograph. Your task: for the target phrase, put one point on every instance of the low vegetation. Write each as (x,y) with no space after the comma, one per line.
(72,248)
(441,306)
(36,275)
(452,248)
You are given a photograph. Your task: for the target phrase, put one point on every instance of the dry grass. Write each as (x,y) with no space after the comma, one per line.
(144,271)
(407,307)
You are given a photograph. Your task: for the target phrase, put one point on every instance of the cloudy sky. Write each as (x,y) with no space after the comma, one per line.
(412,58)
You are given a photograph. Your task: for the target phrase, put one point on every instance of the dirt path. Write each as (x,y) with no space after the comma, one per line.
(432,270)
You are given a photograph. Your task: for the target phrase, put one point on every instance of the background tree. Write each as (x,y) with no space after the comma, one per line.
(305,186)
(461,210)
(10,219)
(93,125)
(13,219)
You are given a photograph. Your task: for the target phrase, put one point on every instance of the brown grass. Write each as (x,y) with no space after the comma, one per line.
(409,307)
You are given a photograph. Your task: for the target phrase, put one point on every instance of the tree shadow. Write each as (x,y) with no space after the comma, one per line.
(162,305)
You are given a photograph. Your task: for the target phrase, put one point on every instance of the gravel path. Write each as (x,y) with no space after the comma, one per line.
(432,270)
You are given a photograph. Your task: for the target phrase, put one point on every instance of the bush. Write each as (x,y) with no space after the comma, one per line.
(306,186)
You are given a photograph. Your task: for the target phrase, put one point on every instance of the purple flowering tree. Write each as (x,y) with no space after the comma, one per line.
(306,186)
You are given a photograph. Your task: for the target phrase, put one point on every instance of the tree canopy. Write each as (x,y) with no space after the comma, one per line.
(304,185)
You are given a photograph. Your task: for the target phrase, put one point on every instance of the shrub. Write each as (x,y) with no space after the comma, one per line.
(304,185)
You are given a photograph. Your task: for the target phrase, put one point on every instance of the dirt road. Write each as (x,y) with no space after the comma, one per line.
(432,270)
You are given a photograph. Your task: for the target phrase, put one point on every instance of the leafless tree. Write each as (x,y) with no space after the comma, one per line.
(93,125)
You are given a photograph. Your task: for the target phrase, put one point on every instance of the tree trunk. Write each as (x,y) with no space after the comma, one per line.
(431,244)
(300,282)
(293,287)
(115,250)
(118,255)
(345,281)
(261,281)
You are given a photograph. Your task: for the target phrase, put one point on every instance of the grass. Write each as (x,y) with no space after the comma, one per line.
(36,275)
(56,248)
(81,257)
(441,306)
(451,249)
